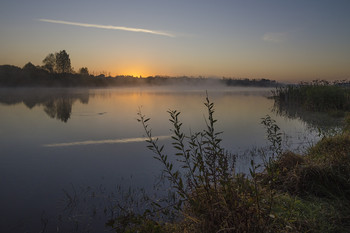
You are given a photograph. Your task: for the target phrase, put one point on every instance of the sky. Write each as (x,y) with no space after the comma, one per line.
(284,40)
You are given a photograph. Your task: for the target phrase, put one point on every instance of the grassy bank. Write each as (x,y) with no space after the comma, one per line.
(293,193)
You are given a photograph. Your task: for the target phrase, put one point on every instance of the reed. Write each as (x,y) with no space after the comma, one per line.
(315,96)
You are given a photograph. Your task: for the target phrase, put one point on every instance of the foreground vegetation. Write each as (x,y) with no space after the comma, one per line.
(292,193)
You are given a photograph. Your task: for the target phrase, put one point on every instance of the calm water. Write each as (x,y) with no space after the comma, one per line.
(57,140)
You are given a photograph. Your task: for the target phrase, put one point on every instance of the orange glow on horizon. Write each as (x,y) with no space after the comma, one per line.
(135,69)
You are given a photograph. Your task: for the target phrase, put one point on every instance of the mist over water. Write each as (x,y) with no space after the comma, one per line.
(52,139)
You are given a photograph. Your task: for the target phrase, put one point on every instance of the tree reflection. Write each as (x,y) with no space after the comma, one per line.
(59,108)
(57,104)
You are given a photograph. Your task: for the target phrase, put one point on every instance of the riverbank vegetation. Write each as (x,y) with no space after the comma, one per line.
(321,104)
(318,95)
(290,193)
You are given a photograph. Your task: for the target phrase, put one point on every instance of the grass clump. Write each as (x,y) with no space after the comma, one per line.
(313,177)
(323,172)
(311,214)
(315,187)
(346,128)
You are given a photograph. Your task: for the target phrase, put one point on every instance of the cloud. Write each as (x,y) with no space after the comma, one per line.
(108,141)
(275,37)
(110,27)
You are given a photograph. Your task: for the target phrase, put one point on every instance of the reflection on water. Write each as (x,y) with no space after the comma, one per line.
(108,141)
(57,102)
(323,122)
(59,108)
(97,142)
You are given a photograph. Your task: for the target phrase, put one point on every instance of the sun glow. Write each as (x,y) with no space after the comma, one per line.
(135,72)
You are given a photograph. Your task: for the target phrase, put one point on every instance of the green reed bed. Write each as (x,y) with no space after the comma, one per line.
(315,96)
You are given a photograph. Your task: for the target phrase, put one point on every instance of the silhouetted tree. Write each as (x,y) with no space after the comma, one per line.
(49,62)
(84,71)
(63,62)
(29,66)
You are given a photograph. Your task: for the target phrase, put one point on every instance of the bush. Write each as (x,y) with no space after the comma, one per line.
(212,198)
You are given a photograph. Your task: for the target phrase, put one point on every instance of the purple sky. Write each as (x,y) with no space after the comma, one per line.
(282,40)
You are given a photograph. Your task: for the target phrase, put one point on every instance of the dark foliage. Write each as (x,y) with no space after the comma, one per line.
(58,73)
(251,82)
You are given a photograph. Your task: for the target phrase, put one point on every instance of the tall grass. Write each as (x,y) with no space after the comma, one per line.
(315,96)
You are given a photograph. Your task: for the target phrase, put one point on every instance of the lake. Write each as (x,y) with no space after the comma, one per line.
(59,144)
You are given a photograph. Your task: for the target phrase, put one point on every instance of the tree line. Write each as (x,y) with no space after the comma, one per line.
(56,70)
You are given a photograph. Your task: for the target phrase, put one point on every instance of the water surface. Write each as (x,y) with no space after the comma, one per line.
(53,140)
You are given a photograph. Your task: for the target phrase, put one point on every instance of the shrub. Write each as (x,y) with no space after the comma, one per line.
(212,198)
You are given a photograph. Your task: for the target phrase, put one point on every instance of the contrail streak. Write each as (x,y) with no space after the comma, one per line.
(110,27)
(108,141)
